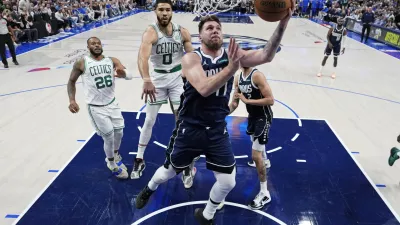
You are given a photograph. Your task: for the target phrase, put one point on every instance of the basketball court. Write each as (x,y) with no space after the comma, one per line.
(329,141)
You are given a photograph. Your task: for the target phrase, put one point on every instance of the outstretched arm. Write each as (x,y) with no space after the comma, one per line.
(75,73)
(193,71)
(261,82)
(254,58)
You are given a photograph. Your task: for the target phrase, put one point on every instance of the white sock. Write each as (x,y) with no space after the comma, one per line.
(112,163)
(109,145)
(145,134)
(140,152)
(225,183)
(160,176)
(321,68)
(263,187)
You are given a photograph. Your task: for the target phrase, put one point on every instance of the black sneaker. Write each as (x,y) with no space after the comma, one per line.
(16,62)
(198,214)
(143,197)
(138,166)
(6,66)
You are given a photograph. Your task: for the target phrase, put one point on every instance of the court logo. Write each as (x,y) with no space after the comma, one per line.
(245,42)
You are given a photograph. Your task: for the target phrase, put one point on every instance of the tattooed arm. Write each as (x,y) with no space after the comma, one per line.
(254,58)
(77,70)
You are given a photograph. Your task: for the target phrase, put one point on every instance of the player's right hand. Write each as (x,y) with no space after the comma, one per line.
(149,89)
(73,107)
(234,55)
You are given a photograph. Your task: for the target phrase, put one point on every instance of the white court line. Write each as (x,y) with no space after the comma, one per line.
(139,128)
(52,180)
(236,157)
(299,120)
(365,174)
(301,160)
(159,144)
(274,150)
(132,153)
(205,202)
(295,136)
(138,115)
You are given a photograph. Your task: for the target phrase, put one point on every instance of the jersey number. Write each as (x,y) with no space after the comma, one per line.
(222,90)
(103,82)
(167,59)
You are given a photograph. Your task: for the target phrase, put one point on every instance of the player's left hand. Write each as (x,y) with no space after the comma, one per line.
(290,12)
(343,51)
(120,73)
(241,97)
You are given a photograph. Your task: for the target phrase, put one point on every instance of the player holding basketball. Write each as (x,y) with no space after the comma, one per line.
(163,43)
(98,74)
(335,38)
(252,88)
(201,126)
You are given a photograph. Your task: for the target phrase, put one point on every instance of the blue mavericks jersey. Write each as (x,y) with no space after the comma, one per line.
(207,111)
(336,36)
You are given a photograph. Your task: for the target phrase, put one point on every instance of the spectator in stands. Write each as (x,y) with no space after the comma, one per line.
(27,27)
(6,38)
(367,19)
(397,20)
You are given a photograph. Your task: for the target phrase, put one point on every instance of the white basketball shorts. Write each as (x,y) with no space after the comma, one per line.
(168,86)
(106,119)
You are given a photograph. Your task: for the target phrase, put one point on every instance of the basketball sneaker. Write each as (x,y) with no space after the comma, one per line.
(138,166)
(260,200)
(221,205)
(119,172)
(143,197)
(393,156)
(253,164)
(118,161)
(198,214)
(333,75)
(319,74)
(188,177)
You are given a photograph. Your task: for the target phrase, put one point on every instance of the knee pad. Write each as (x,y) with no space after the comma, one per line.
(151,114)
(109,144)
(257,146)
(225,181)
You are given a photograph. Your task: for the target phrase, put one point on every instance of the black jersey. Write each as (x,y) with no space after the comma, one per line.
(337,35)
(250,91)
(207,111)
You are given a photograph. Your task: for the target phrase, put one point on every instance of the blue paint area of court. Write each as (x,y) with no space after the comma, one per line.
(328,189)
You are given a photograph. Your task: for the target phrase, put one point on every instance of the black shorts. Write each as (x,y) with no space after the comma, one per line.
(259,128)
(189,141)
(336,50)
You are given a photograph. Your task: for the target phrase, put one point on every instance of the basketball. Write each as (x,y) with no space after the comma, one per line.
(272,10)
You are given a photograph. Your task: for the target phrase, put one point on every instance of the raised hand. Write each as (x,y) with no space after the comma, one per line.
(234,55)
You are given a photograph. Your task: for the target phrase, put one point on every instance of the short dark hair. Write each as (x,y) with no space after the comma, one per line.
(163,1)
(208,18)
(91,38)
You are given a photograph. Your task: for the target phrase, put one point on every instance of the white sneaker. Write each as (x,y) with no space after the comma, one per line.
(119,172)
(260,201)
(319,74)
(253,164)
(138,167)
(188,179)
(118,161)
(333,75)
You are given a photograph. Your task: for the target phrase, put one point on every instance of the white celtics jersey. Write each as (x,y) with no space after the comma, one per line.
(167,53)
(98,81)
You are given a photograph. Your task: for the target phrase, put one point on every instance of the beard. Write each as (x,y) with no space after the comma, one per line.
(213,45)
(162,22)
(95,54)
